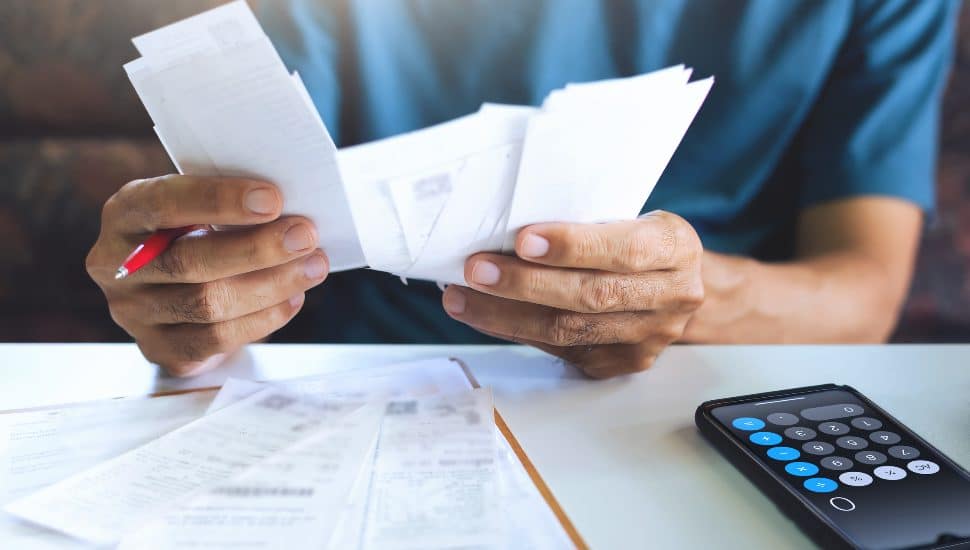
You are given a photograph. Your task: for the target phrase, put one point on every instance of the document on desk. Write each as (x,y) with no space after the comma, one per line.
(42,446)
(112,499)
(418,204)
(526,519)
(292,499)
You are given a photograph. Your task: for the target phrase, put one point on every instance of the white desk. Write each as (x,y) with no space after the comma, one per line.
(622,456)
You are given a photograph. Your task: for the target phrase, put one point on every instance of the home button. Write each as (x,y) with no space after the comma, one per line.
(842,503)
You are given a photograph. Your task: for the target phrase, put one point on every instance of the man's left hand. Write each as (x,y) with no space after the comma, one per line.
(606,297)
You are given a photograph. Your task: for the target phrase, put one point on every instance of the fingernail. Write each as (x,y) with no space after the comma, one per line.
(485,273)
(297,300)
(534,246)
(298,238)
(261,201)
(314,267)
(454,301)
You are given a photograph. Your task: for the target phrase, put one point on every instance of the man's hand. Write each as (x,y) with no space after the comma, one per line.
(605,297)
(211,292)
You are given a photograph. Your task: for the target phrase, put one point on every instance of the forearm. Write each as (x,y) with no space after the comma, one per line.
(836,297)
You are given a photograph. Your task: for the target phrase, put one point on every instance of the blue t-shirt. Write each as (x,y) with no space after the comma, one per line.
(813,101)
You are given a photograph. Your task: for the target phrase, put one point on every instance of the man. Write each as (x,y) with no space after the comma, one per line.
(791,211)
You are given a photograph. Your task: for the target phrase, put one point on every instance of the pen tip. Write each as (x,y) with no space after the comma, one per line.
(121,273)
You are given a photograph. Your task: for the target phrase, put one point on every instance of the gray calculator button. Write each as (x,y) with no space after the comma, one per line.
(903,452)
(818,448)
(884,438)
(855,479)
(837,463)
(866,423)
(833,428)
(870,457)
(783,419)
(831,412)
(924,467)
(891,473)
(852,442)
(800,434)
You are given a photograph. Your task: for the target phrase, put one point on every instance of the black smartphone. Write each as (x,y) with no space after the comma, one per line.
(844,470)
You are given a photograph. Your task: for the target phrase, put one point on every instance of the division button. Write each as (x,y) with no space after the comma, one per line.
(866,423)
(903,452)
(837,463)
(856,479)
(767,439)
(820,485)
(831,412)
(833,428)
(818,448)
(924,467)
(799,433)
(783,453)
(889,472)
(884,437)
(870,457)
(852,442)
(842,503)
(747,424)
(801,469)
(783,419)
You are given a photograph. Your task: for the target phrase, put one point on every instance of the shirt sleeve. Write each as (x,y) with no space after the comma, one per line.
(874,127)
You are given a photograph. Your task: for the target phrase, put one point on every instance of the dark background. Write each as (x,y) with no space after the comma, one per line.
(72,132)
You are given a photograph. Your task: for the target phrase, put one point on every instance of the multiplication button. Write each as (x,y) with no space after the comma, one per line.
(765,438)
(924,467)
(871,458)
(856,479)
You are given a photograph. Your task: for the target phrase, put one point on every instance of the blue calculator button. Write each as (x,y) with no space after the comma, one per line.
(767,439)
(801,469)
(783,453)
(820,485)
(747,424)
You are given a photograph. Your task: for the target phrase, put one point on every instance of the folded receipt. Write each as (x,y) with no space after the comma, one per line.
(418,204)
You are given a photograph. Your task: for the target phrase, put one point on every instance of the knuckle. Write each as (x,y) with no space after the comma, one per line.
(172,262)
(212,339)
(600,293)
(120,312)
(690,294)
(567,329)
(206,303)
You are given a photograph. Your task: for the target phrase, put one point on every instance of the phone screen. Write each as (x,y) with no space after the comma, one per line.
(883,487)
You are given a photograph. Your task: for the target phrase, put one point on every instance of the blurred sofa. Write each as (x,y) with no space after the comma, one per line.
(72,131)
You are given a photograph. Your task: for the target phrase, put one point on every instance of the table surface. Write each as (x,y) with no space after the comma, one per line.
(622,456)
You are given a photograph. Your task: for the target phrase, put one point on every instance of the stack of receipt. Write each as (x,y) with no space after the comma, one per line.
(415,205)
(403,456)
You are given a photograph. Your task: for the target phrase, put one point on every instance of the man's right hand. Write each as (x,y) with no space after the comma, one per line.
(211,292)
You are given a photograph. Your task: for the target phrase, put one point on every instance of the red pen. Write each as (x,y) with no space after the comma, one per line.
(150,249)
